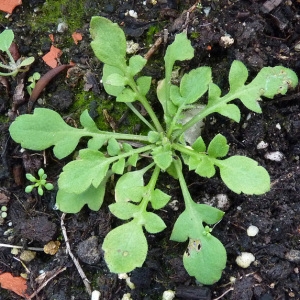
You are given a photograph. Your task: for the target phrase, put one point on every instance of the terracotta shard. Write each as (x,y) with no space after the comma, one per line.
(9,5)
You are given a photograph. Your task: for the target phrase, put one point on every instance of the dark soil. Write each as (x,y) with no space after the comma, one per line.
(265,33)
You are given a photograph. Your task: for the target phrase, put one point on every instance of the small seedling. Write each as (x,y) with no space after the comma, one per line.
(13,67)
(38,183)
(3,212)
(163,150)
(33,80)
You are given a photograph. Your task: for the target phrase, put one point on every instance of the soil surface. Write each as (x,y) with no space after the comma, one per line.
(264,33)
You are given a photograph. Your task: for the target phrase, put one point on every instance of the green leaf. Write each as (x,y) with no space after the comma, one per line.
(218,146)
(199,145)
(116,79)
(144,83)
(205,168)
(73,203)
(97,142)
(127,186)
(162,156)
(89,169)
(125,248)
(118,166)
(194,84)
(127,95)
(124,210)
(153,223)
(6,38)
(133,159)
(136,64)
(26,62)
(230,111)
(205,259)
(181,49)
(113,147)
(111,89)
(109,43)
(87,122)
(159,199)
(243,175)
(238,75)
(43,129)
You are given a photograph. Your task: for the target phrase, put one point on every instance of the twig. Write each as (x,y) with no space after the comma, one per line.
(46,282)
(230,289)
(21,247)
(79,269)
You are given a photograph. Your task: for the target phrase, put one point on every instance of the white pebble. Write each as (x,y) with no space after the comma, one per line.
(62,27)
(168,295)
(132,13)
(278,126)
(275,156)
(262,145)
(95,295)
(245,259)
(252,230)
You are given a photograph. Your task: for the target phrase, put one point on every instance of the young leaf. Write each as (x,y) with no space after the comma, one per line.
(181,49)
(218,146)
(111,89)
(113,147)
(125,248)
(144,83)
(43,129)
(87,122)
(118,166)
(194,84)
(159,199)
(199,145)
(127,183)
(89,169)
(153,223)
(124,210)
(109,43)
(116,80)
(243,175)
(136,64)
(6,38)
(127,95)
(205,168)
(162,156)
(73,203)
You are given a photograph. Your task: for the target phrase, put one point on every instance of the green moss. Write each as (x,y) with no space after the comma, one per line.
(53,11)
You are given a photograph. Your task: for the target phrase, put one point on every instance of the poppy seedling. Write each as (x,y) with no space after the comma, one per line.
(38,183)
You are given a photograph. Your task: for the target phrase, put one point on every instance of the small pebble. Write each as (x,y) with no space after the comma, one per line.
(293,256)
(262,145)
(275,156)
(245,259)
(252,230)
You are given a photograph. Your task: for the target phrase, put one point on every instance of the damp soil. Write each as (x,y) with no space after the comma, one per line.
(264,33)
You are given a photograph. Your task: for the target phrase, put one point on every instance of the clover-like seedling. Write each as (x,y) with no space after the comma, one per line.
(164,149)
(13,67)
(32,81)
(38,183)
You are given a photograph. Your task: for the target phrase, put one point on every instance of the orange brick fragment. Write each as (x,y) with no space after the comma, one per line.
(51,57)
(16,284)
(77,36)
(9,5)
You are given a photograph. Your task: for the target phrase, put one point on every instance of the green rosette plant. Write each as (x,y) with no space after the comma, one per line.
(163,149)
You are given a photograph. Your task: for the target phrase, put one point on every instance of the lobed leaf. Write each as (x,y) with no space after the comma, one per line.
(153,223)
(124,210)
(73,203)
(43,129)
(78,175)
(218,146)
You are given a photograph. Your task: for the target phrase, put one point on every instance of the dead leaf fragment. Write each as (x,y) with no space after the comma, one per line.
(9,5)
(51,57)
(16,284)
